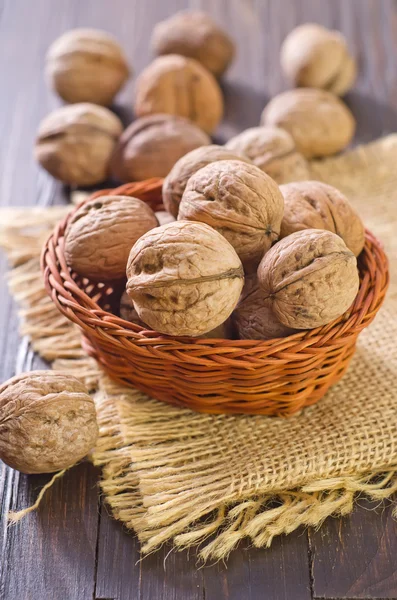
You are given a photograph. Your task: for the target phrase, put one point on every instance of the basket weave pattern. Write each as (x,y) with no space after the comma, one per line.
(275,377)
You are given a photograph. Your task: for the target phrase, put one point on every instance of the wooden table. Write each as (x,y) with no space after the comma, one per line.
(72,549)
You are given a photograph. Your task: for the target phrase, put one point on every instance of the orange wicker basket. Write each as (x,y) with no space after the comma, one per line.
(276,377)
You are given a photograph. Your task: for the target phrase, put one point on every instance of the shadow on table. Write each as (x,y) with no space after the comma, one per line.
(374,117)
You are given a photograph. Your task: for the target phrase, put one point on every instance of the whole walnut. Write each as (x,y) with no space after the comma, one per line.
(310,277)
(47,422)
(86,65)
(316,205)
(128,313)
(273,150)
(101,233)
(241,202)
(320,123)
(314,56)
(184,279)
(74,143)
(151,146)
(195,35)
(175,183)
(254,318)
(181,86)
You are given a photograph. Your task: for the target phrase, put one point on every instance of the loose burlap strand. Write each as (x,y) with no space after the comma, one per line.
(171,474)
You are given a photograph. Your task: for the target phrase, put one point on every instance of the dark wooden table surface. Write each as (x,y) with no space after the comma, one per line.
(71,549)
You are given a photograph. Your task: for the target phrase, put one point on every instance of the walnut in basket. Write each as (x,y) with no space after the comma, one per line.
(86,65)
(47,422)
(74,143)
(196,35)
(316,57)
(310,278)
(101,233)
(316,205)
(184,279)
(177,85)
(238,200)
(273,150)
(175,183)
(151,146)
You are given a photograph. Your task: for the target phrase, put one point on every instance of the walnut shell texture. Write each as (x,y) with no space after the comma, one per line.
(273,150)
(195,35)
(151,146)
(175,183)
(184,279)
(74,143)
(241,202)
(86,65)
(310,277)
(101,233)
(181,86)
(313,56)
(316,205)
(320,123)
(47,422)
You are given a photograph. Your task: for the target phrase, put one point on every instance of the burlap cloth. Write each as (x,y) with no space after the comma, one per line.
(169,473)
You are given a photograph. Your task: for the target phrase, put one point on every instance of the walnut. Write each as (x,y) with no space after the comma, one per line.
(74,143)
(175,183)
(47,422)
(184,278)
(150,146)
(320,123)
(273,150)
(238,200)
(254,318)
(86,65)
(195,35)
(313,56)
(310,277)
(101,233)
(316,205)
(177,85)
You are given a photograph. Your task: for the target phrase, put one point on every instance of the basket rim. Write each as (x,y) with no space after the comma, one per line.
(78,307)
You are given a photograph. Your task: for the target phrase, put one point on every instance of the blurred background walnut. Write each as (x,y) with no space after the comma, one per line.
(181,86)
(175,183)
(316,205)
(310,277)
(86,65)
(320,123)
(101,233)
(273,150)
(74,143)
(47,422)
(150,146)
(314,56)
(195,35)
(241,202)
(184,279)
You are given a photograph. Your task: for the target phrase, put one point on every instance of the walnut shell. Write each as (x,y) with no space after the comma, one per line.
(47,422)
(195,35)
(74,143)
(316,205)
(86,65)
(175,183)
(101,233)
(241,202)
(316,57)
(310,277)
(184,279)
(180,86)
(273,150)
(320,123)
(151,146)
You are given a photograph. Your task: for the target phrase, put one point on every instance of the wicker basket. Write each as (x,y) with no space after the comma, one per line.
(276,377)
